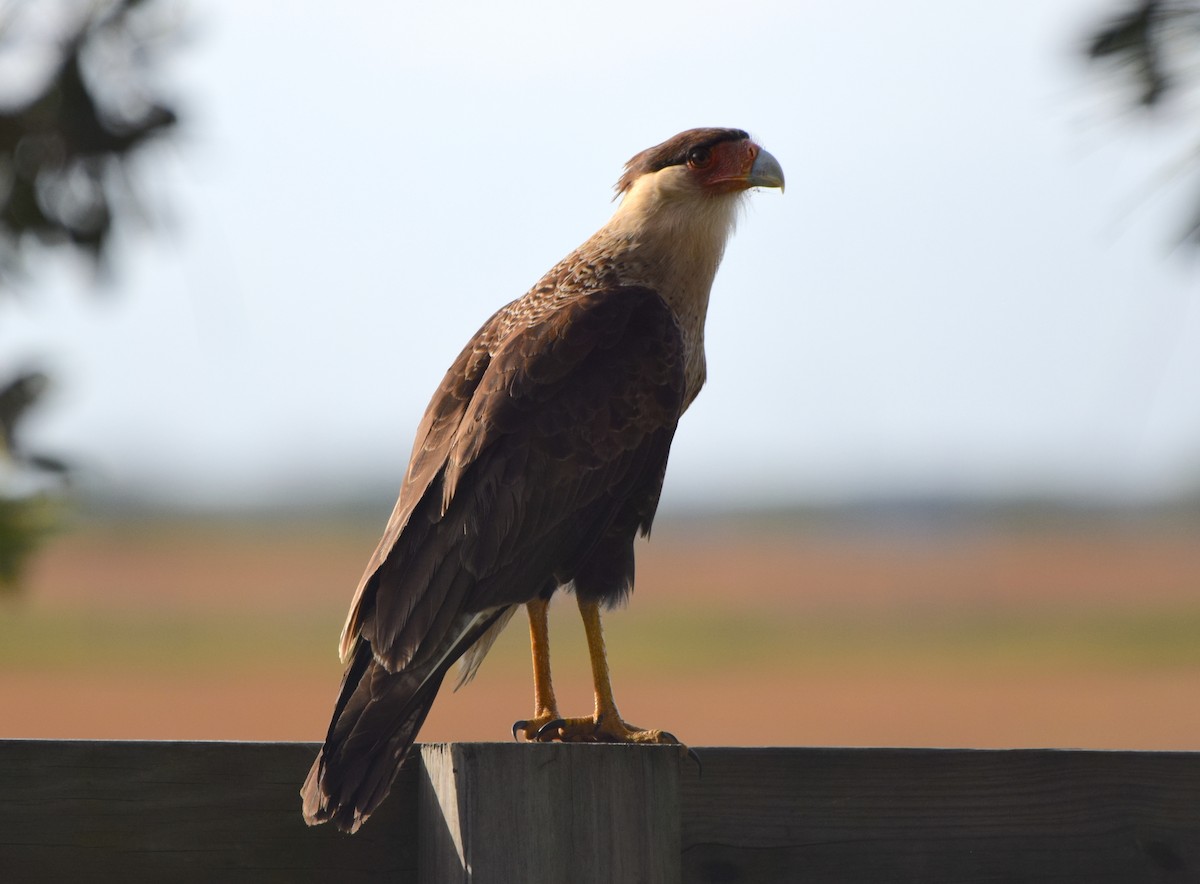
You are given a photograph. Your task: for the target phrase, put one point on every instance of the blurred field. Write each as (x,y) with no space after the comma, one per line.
(991,632)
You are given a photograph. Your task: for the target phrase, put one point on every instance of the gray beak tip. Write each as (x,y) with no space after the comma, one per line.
(766,171)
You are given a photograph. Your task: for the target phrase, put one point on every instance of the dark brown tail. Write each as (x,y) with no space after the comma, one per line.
(375,722)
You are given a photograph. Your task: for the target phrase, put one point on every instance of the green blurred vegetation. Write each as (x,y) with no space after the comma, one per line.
(973,641)
(24,523)
(65,177)
(1013,643)
(49,640)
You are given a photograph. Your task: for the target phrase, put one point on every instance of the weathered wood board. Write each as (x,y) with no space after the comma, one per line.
(82,811)
(955,816)
(481,812)
(494,813)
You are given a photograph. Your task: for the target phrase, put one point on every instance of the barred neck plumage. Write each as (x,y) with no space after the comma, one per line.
(664,236)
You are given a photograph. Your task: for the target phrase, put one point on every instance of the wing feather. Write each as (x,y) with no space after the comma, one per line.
(531,451)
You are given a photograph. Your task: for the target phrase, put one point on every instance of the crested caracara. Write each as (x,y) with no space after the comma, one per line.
(538,461)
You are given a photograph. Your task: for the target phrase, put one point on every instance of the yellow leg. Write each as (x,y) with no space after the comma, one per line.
(606,706)
(605,726)
(545,707)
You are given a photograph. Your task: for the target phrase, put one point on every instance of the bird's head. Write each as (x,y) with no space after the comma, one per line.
(680,202)
(702,163)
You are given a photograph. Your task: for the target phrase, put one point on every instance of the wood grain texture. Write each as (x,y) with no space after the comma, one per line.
(480,812)
(183,812)
(954,816)
(588,814)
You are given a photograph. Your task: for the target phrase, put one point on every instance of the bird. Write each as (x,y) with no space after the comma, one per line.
(539,460)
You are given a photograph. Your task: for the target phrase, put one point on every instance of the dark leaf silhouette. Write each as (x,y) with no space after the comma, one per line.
(64,183)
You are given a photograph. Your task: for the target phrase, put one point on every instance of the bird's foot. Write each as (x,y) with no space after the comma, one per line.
(596,729)
(529,729)
(603,728)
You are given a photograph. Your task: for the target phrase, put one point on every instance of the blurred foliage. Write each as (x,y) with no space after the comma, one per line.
(24,523)
(65,147)
(25,518)
(1155,44)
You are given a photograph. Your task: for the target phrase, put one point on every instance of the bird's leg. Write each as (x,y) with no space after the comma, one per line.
(545,707)
(605,726)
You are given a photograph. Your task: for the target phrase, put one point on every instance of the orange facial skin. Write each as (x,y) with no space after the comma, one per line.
(725,167)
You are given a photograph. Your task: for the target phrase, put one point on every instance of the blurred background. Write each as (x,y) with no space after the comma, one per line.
(942,488)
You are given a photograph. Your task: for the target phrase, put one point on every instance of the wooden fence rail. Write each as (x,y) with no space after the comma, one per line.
(496,812)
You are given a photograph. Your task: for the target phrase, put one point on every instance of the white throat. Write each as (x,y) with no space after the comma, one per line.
(671,237)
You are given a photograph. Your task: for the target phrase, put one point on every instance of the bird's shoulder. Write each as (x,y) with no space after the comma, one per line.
(548,347)
(534,343)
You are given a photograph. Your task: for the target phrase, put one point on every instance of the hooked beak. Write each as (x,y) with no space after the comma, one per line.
(766,172)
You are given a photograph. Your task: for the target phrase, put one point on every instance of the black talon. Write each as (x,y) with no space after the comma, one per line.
(691,754)
(519,725)
(549,726)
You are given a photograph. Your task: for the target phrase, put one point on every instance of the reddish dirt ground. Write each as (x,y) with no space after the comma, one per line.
(246,571)
(275,566)
(859,709)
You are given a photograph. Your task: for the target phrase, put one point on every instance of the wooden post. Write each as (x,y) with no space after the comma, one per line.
(230,812)
(942,816)
(503,812)
(81,810)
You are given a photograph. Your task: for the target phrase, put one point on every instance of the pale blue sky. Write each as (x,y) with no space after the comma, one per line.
(966,288)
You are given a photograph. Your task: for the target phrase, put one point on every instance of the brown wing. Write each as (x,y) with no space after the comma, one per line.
(439,426)
(527,463)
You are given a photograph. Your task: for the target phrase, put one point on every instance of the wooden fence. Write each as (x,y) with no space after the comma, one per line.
(497,812)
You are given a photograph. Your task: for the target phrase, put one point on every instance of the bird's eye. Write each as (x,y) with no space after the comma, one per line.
(699,157)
